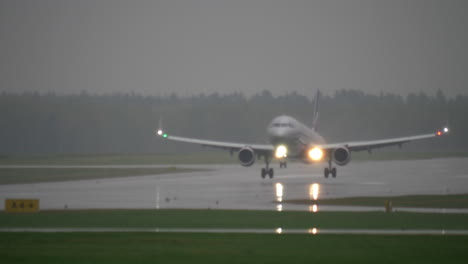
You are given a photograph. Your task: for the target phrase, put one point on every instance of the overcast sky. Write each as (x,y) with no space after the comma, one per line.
(188,47)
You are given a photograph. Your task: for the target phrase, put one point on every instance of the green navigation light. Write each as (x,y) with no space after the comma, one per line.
(164,135)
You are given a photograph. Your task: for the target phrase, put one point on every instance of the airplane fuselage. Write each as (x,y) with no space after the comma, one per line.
(287,131)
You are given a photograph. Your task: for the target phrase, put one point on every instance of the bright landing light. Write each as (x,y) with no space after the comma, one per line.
(160,132)
(281,151)
(446,130)
(316,154)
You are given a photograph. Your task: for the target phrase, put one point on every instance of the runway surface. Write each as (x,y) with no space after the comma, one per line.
(235,187)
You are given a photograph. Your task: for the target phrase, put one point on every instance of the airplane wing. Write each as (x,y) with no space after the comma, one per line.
(372,144)
(259,148)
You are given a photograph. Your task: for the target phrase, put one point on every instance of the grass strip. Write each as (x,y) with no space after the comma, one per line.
(233,219)
(228,248)
(37,175)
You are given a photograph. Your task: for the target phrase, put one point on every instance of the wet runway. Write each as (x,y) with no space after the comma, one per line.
(235,187)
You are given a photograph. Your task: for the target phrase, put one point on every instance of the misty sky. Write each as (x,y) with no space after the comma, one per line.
(157,47)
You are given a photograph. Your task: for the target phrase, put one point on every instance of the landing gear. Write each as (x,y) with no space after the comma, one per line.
(330,170)
(283,164)
(267,171)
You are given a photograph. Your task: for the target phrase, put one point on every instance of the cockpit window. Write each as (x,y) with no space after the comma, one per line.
(276,125)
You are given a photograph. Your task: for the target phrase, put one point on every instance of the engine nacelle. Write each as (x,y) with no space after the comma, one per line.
(246,156)
(341,156)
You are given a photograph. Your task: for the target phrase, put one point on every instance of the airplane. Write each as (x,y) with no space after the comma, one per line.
(291,139)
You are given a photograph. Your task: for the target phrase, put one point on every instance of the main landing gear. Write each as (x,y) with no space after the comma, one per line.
(267,171)
(330,170)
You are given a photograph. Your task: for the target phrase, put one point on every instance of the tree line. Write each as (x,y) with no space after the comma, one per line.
(36,124)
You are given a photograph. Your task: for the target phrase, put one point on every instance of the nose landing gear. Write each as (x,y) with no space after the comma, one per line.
(283,164)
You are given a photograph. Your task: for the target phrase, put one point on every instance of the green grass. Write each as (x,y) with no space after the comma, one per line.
(228,248)
(418,201)
(194,158)
(233,219)
(36,175)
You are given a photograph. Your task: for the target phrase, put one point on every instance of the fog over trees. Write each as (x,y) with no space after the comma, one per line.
(36,124)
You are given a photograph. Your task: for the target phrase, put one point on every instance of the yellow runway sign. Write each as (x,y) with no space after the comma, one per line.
(21,205)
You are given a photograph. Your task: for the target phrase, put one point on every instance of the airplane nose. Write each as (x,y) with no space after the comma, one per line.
(278,134)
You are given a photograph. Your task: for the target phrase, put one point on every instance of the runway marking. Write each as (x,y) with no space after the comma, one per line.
(279,231)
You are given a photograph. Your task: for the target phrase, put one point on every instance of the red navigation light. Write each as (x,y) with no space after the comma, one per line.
(439,133)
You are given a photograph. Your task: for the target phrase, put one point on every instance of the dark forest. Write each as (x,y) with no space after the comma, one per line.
(44,124)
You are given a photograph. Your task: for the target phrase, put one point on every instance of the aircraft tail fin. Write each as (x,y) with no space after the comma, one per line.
(315,115)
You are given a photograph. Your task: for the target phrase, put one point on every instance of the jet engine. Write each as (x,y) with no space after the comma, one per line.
(246,156)
(341,156)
